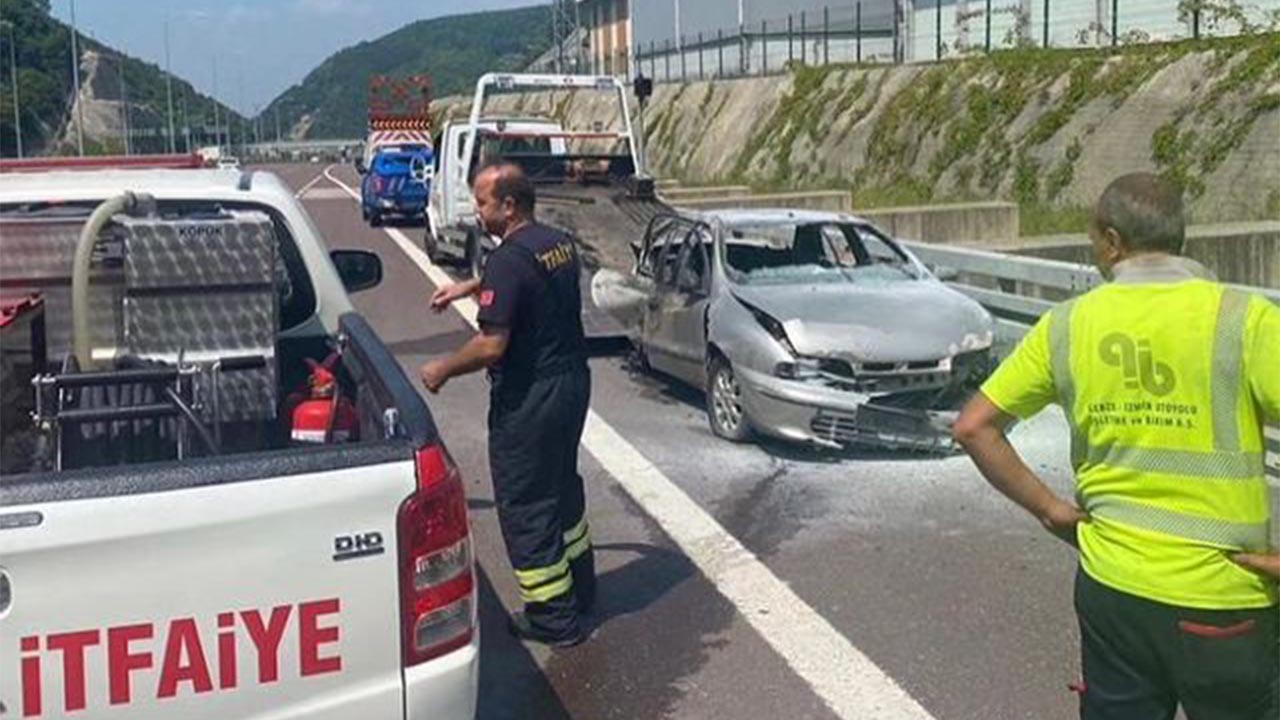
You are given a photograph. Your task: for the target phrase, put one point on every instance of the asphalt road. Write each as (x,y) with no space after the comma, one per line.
(949,589)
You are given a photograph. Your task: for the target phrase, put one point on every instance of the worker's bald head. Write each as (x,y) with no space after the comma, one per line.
(504,197)
(1145,212)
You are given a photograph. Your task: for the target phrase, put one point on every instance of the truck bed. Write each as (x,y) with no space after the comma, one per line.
(605,220)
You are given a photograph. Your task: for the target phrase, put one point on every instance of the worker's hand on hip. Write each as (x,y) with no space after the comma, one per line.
(1266,563)
(1061,519)
(433,375)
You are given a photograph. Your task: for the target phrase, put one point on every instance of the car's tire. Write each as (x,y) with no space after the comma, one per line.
(431,247)
(375,219)
(725,412)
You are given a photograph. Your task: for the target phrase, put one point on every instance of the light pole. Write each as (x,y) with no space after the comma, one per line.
(13,73)
(217,127)
(75,77)
(168,85)
(124,105)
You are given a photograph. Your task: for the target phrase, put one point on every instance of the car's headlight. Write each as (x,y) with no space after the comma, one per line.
(800,369)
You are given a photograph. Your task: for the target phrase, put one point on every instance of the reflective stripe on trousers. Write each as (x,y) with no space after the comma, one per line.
(546,583)
(1225,462)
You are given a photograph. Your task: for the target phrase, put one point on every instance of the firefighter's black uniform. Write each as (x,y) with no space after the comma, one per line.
(538,405)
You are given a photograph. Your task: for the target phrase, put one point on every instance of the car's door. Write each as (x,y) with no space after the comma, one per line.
(677,311)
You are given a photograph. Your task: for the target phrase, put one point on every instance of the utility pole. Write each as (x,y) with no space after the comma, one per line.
(13,75)
(186,123)
(217,126)
(124,105)
(168,85)
(75,77)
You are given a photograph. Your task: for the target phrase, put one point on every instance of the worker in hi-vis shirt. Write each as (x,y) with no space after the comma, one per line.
(1166,378)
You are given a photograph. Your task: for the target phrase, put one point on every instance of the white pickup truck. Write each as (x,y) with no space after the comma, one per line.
(167,548)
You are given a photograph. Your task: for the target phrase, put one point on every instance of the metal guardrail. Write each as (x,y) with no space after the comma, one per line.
(1016,312)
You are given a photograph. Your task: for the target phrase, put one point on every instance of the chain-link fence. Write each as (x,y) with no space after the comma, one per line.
(907,31)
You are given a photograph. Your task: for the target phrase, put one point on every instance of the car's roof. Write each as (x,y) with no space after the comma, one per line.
(79,185)
(773,216)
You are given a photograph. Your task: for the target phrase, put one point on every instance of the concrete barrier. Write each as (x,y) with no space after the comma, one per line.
(828,200)
(677,195)
(1240,253)
(968,223)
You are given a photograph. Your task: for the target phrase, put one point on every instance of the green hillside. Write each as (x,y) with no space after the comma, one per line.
(454,51)
(45,88)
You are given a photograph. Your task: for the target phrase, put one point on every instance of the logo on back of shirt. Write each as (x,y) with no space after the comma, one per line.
(1140,368)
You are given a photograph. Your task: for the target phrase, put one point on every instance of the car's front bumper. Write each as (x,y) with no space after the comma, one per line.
(805,411)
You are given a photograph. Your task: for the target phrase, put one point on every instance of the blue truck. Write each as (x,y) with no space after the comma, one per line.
(395,183)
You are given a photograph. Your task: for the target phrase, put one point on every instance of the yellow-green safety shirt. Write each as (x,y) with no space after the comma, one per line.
(1166,378)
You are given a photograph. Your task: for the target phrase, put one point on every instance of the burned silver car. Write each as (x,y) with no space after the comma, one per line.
(808,326)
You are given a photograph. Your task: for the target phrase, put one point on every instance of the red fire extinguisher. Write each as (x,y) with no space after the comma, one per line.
(328,416)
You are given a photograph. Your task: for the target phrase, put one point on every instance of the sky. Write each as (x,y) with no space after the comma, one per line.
(260,48)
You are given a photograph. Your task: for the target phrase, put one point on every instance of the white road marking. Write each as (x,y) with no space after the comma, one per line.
(319,176)
(846,679)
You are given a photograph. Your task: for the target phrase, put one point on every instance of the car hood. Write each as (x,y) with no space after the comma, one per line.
(874,322)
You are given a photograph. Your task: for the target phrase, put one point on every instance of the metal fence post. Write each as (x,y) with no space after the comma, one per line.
(742,49)
(826,35)
(988,26)
(858,28)
(1195,23)
(684,74)
(937,40)
(1046,23)
(720,51)
(804,41)
(897,41)
(701,73)
(1115,22)
(764,47)
(666,60)
(791,46)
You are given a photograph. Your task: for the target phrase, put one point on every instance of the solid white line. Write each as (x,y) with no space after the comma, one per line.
(846,679)
(319,176)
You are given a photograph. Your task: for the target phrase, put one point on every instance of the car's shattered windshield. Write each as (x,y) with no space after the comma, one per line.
(788,253)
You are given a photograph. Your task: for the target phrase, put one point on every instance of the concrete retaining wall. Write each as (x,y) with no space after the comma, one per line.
(969,223)
(828,200)
(677,195)
(1241,253)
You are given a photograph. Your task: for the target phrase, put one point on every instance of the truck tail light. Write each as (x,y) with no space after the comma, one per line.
(437,602)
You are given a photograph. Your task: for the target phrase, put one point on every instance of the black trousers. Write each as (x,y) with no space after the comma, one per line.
(1142,659)
(534,433)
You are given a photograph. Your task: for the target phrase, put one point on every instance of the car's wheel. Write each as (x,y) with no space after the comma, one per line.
(375,219)
(724,403)
(431,246)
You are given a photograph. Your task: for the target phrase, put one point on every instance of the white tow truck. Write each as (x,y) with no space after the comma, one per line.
(591,180)
(168,549)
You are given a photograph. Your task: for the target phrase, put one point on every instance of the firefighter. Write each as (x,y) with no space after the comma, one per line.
(1165,377)
(531,340)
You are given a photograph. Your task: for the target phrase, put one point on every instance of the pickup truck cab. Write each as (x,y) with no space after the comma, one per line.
(167,548)
(396,183)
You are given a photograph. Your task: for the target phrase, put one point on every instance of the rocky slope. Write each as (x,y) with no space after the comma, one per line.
(1048,129)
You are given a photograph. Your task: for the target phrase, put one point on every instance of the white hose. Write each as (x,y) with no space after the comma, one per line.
(81,340)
